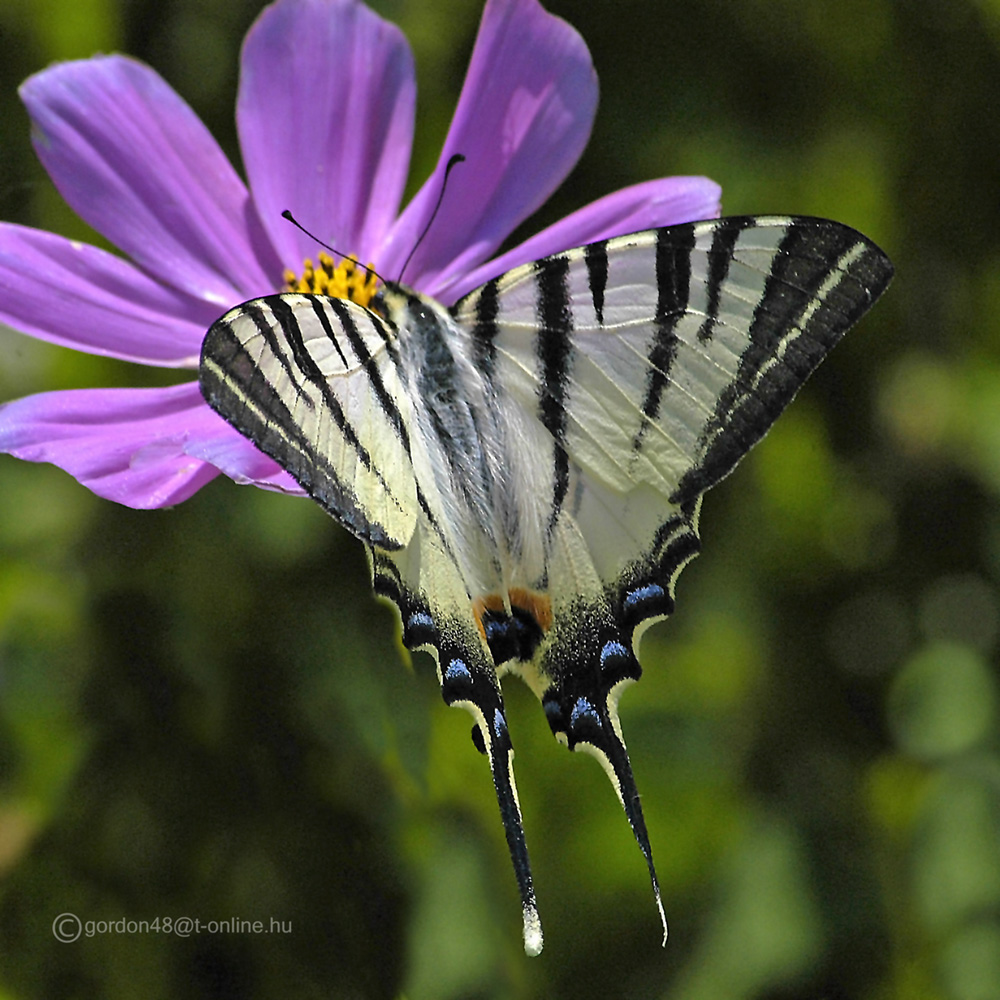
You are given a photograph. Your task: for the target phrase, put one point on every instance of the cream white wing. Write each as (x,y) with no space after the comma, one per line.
(314,382)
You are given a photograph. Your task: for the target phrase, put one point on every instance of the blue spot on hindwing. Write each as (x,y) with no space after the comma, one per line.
(613,649)
(495,630)
(584,714)
(554,712)
(617,664)
(420,630)
(499,724)
(457,671)
(645,593)
(511,637)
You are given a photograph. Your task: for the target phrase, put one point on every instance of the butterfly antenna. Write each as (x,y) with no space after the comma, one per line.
(286,214)
(453,161)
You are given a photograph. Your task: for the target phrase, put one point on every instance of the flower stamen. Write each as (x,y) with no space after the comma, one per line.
(346,280)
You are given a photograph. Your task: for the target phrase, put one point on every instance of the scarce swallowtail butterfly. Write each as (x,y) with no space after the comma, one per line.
(526,467)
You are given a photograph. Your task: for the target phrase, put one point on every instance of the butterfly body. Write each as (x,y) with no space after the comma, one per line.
(476,491)
(526,466)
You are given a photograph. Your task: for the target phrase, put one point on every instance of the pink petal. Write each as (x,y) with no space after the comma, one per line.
(126,445)
(522,121)
(138,447)
(76,295)
(133,160)
(143,448)
(649,205)
(232,454)
(325,115)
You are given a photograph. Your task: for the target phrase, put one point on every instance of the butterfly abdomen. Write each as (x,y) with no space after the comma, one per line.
(472,458)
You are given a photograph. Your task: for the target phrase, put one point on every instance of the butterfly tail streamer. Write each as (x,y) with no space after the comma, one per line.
(613,757)
(582,710)
(471,683)
(468,680)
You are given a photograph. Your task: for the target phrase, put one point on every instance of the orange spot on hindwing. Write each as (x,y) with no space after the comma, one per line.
(513,635)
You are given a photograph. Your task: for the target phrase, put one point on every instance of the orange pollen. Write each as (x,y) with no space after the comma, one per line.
(346,280)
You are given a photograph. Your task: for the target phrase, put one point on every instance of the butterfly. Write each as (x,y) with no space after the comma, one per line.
(526,467)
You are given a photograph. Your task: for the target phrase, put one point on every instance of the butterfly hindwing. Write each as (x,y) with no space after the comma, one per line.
(527,467)
(436,619)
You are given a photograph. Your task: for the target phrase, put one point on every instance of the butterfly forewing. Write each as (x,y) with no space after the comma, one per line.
(677,338)
(286,371)
(527,468)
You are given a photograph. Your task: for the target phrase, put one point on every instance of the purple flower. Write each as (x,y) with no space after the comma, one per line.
(325,120)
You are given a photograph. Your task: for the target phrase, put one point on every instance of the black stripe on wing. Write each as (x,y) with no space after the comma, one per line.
(673,285)
(350,328)
(824,277)
(727,232)
(595,256)
(484,330)
(554,348)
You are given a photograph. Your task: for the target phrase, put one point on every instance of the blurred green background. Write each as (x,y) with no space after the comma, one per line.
(204,713)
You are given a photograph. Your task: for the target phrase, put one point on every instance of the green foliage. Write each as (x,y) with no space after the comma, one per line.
(204,713)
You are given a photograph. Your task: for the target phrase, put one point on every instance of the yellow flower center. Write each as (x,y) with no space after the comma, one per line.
(346,280)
